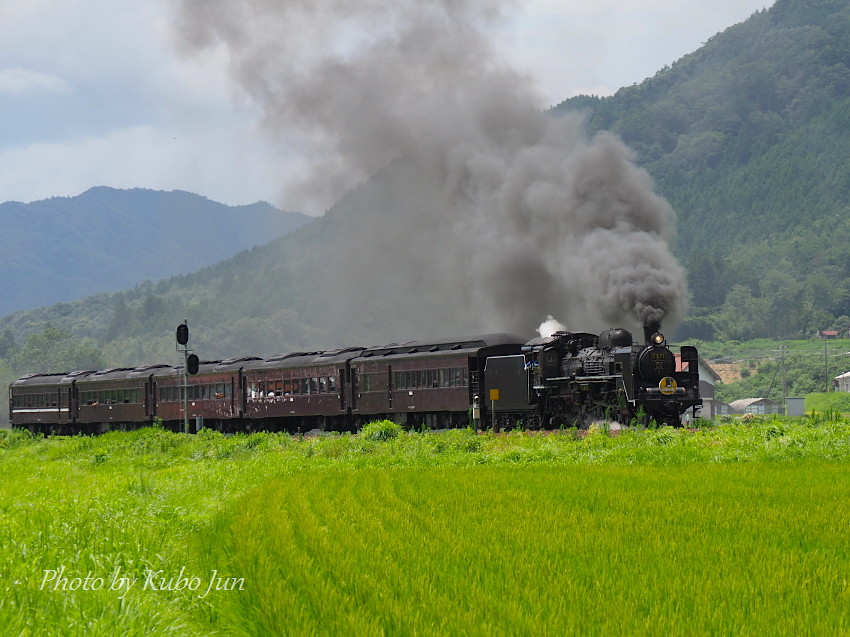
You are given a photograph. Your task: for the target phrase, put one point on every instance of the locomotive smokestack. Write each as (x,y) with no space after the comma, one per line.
(650,327)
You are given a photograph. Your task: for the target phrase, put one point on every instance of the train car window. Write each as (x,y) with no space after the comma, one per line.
(305,385)
(287,386)
(314,385)
(332,384)
(278,388)
(323,385)
(465,377)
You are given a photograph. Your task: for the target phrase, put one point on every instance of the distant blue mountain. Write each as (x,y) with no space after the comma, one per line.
(65,248)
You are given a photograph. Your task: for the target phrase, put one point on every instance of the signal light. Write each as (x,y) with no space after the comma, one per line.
(192,364)
(182,334)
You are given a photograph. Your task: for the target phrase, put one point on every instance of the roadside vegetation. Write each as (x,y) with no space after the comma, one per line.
(721,529)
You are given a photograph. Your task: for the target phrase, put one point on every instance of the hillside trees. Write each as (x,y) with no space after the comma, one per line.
(55,350)
(746,137)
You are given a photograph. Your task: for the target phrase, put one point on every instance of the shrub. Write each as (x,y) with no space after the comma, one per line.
(381,430)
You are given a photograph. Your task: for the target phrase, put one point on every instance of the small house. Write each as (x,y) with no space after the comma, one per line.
(842,382)
(760,406)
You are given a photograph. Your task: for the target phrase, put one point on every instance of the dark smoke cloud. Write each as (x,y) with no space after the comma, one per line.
(484,211)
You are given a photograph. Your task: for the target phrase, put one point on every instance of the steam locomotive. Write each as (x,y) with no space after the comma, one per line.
(492,380)
(569,378)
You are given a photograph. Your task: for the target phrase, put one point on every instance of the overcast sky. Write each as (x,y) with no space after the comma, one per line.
(93,92)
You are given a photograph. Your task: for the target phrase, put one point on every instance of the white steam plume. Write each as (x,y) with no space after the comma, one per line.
(550,326)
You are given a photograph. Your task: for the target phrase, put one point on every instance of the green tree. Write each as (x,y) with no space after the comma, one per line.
(743,315)
(7,343)
(55,350)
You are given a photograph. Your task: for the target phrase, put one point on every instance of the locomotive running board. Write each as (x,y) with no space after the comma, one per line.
(583,379)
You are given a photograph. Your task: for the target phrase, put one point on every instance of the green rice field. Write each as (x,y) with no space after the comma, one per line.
(739,530)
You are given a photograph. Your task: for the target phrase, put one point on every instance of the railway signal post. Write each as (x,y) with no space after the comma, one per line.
(190,366)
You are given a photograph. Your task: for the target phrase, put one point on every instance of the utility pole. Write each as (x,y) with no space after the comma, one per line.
(826,362)
(783,349)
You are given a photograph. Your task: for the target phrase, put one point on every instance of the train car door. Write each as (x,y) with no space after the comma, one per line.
(341,385)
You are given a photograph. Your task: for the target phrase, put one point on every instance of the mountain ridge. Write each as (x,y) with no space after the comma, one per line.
(106,239)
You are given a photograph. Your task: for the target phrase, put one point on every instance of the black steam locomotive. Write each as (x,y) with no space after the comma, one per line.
(565,379)
(577,378)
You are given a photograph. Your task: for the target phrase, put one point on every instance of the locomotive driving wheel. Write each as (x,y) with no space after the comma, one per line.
(554,417)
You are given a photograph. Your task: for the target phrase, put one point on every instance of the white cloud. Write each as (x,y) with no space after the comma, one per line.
(17,80)
(228,165)
(607,44)
(99,95)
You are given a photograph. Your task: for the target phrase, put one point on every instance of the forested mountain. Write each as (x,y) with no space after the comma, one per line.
(747,138)
(103,240)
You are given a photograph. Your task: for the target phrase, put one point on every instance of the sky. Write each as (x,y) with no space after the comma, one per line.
(97,92)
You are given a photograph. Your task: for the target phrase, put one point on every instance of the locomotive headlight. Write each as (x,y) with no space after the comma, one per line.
(658,338)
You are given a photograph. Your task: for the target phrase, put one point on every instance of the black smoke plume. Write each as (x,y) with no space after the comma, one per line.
(481,211)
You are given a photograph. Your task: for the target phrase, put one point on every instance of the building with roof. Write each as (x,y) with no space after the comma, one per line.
(760,406)
(842,382)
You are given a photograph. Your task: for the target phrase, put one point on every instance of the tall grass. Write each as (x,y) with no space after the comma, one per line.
(718,530)
(708,549)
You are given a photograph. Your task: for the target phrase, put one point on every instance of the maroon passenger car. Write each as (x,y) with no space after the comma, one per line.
(110,396)
(215,394)
(41,402)
(425,383)
(300,391)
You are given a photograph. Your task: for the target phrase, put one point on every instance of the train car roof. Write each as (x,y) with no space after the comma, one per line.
(204,367)
(475,344)
(108,374)
(235,364)
(35,380)
(148,370)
